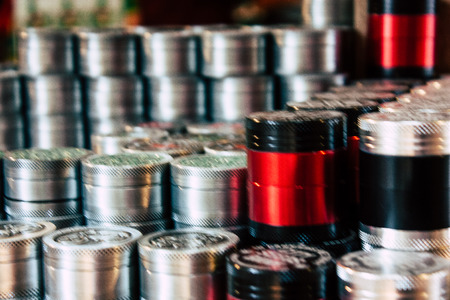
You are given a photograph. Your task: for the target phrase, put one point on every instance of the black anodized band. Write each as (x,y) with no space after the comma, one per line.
(400,72)
(402,7)
(406,193)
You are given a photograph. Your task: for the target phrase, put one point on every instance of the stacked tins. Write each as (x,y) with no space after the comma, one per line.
(52,89)
(44,185)
(128,189)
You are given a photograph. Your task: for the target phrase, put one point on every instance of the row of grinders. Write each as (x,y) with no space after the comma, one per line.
(97,262)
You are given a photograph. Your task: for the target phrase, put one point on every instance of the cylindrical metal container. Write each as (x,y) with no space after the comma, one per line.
(280,272)
(12,132)
(91,263)
(17,209)
(114,97)
(11,100)
(185,264)
(113,143)
(396,27)
(416,106)
(300,50)
(169,51)
(299,88)
(46,51)
(177,98)
(234,52)
(352,109)
(236,128)
(107,51)
(404,166)
(173,146)
(53,95)
(295,162)
(215,187)
(21,277)
(51,131)
(232,98)
(396,275)
(126,188)
(327,13)
(379,97)
(376,88)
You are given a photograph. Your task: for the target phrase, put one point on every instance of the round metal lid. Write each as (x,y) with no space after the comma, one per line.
(173,146)
(405,133)
(216,128)
(187,251)
(231,147)
(385,274)
(416,106)
(124,169)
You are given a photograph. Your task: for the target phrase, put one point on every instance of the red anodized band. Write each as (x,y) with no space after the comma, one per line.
(402,40)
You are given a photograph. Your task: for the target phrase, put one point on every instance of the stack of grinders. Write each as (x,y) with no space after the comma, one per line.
(21,259)
(210,191)
(128,189)
(44,184)
(170,65)
(54,111)
(300,51)
(235,62)
(327,13)
(12,126)
(114,92)
(185,264)
(280,272)
(295,165)
(91,263)
(404,171)
(174,146)
(53,94)
(385,274)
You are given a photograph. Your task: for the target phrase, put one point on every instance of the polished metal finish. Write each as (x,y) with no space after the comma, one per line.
(232,98)
(234,52)
(112,124)
(42,190)
(232,147)
(175,147)
(42,209)
(299,88)
(185,264)
(59,222)
(405,134)
(416,106)
(216,128)
(327,13)
(46,51)
(304,50)
(11,101)
(143,227)
(21,259)
(53,94)
(169,51)
(177,98)
(384,274)
(107,51)
(91,263)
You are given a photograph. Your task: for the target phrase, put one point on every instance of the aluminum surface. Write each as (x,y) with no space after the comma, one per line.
(42,190)
(44,209)
(107,51)
(384,274)
(230,52)
(91,263)
(169,51)
(177,98)
(143,227)
(326,13)
(216,128)
(126,169)
(112,124)
(232,147)
(174,147)
(21,259)
(11,101)
(59,222)
(46,51)
(405,134)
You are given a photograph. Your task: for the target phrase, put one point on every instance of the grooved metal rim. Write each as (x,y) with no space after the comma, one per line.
(209,222)
(116,219)
(26,239)
(172,146)
(27,294)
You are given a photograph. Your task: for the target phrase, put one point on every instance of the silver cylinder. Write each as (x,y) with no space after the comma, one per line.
(50,131)
(42,209)
(21,277)
(215,187)
(91,263)
(327,13)
(107,51)
(42,190)
(232,98)
(113,143)
(46,51)
(177,98)
(396,275)
(233,52)
(11,101)
(299,88)
(173,146)
(169,51)
(185,264)
(53,95)
(303,50)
